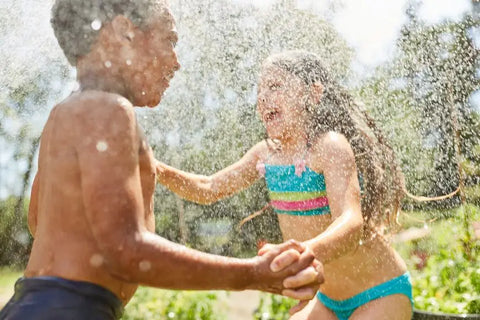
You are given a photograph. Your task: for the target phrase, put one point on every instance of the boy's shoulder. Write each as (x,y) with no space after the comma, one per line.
(93,100)
(95,112)
(99,105)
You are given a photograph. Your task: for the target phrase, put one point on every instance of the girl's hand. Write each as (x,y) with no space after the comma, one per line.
(295,283)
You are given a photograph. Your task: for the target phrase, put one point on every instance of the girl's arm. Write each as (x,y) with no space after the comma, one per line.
(208,189)
(343,190)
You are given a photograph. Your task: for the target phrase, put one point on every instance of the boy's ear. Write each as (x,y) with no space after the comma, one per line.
(316,92)
(123,28)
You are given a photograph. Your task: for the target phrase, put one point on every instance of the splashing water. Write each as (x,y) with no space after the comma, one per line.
(413,66)
(96,24)
(102,146)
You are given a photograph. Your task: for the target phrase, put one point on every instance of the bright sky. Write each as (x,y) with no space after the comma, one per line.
(369,26)
(372,26)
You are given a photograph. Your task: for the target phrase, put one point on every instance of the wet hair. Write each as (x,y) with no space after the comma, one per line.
(381,177)
(73,21)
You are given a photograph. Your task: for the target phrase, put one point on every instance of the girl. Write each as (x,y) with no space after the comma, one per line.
(318,136)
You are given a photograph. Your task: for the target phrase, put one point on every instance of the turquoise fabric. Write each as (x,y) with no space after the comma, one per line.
(344,308)
(282,178)
(313,212)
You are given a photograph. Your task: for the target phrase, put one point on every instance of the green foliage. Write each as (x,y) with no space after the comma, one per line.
(15,239)
(8,277)
(155,304)
(449,280)
(273,307)
(415,98)
(449,283)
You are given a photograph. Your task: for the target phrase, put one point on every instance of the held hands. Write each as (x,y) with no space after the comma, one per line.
(291,270)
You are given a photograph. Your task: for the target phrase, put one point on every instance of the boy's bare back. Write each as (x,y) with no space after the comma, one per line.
(79,157)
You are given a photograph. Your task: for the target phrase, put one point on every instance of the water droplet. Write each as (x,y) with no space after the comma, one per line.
(425,226)
(128,62)
(143,93)
(171,314)
(102,146)
(144,265)
(76,86)
(22,237)
(124,102)
(96,260)
(108,64)
(96,24)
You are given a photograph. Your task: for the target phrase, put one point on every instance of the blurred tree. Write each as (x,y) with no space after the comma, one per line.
(430,83)
(30,80)
(15,240)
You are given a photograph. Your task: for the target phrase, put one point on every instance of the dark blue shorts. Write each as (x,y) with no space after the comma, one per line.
(52,298)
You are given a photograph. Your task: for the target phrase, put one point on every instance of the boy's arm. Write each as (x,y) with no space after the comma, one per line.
(114,208)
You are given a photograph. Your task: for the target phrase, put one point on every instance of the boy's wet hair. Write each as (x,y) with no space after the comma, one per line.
(383,180)
(77,23)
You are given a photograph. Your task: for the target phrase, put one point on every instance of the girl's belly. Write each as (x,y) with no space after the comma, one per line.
(303,228)
(364,267)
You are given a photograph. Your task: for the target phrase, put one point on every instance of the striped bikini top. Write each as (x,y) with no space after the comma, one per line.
(295,189)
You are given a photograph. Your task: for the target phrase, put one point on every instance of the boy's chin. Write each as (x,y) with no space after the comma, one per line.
(149,101)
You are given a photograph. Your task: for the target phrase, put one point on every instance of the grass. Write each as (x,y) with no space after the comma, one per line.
(445,274)
(7,281)
(150,303)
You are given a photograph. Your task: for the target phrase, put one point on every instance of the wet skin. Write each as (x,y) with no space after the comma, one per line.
(64,245)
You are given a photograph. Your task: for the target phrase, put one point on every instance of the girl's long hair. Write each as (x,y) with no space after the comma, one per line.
(382,179)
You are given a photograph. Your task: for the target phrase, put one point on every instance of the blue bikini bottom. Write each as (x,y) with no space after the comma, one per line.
(344,308)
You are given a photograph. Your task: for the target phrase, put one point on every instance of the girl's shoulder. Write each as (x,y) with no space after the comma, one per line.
(330,146)
(330,141)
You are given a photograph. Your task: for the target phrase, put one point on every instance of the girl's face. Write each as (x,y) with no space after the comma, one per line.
(281,103)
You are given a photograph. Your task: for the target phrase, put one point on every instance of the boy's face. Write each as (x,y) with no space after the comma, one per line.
(152,61)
